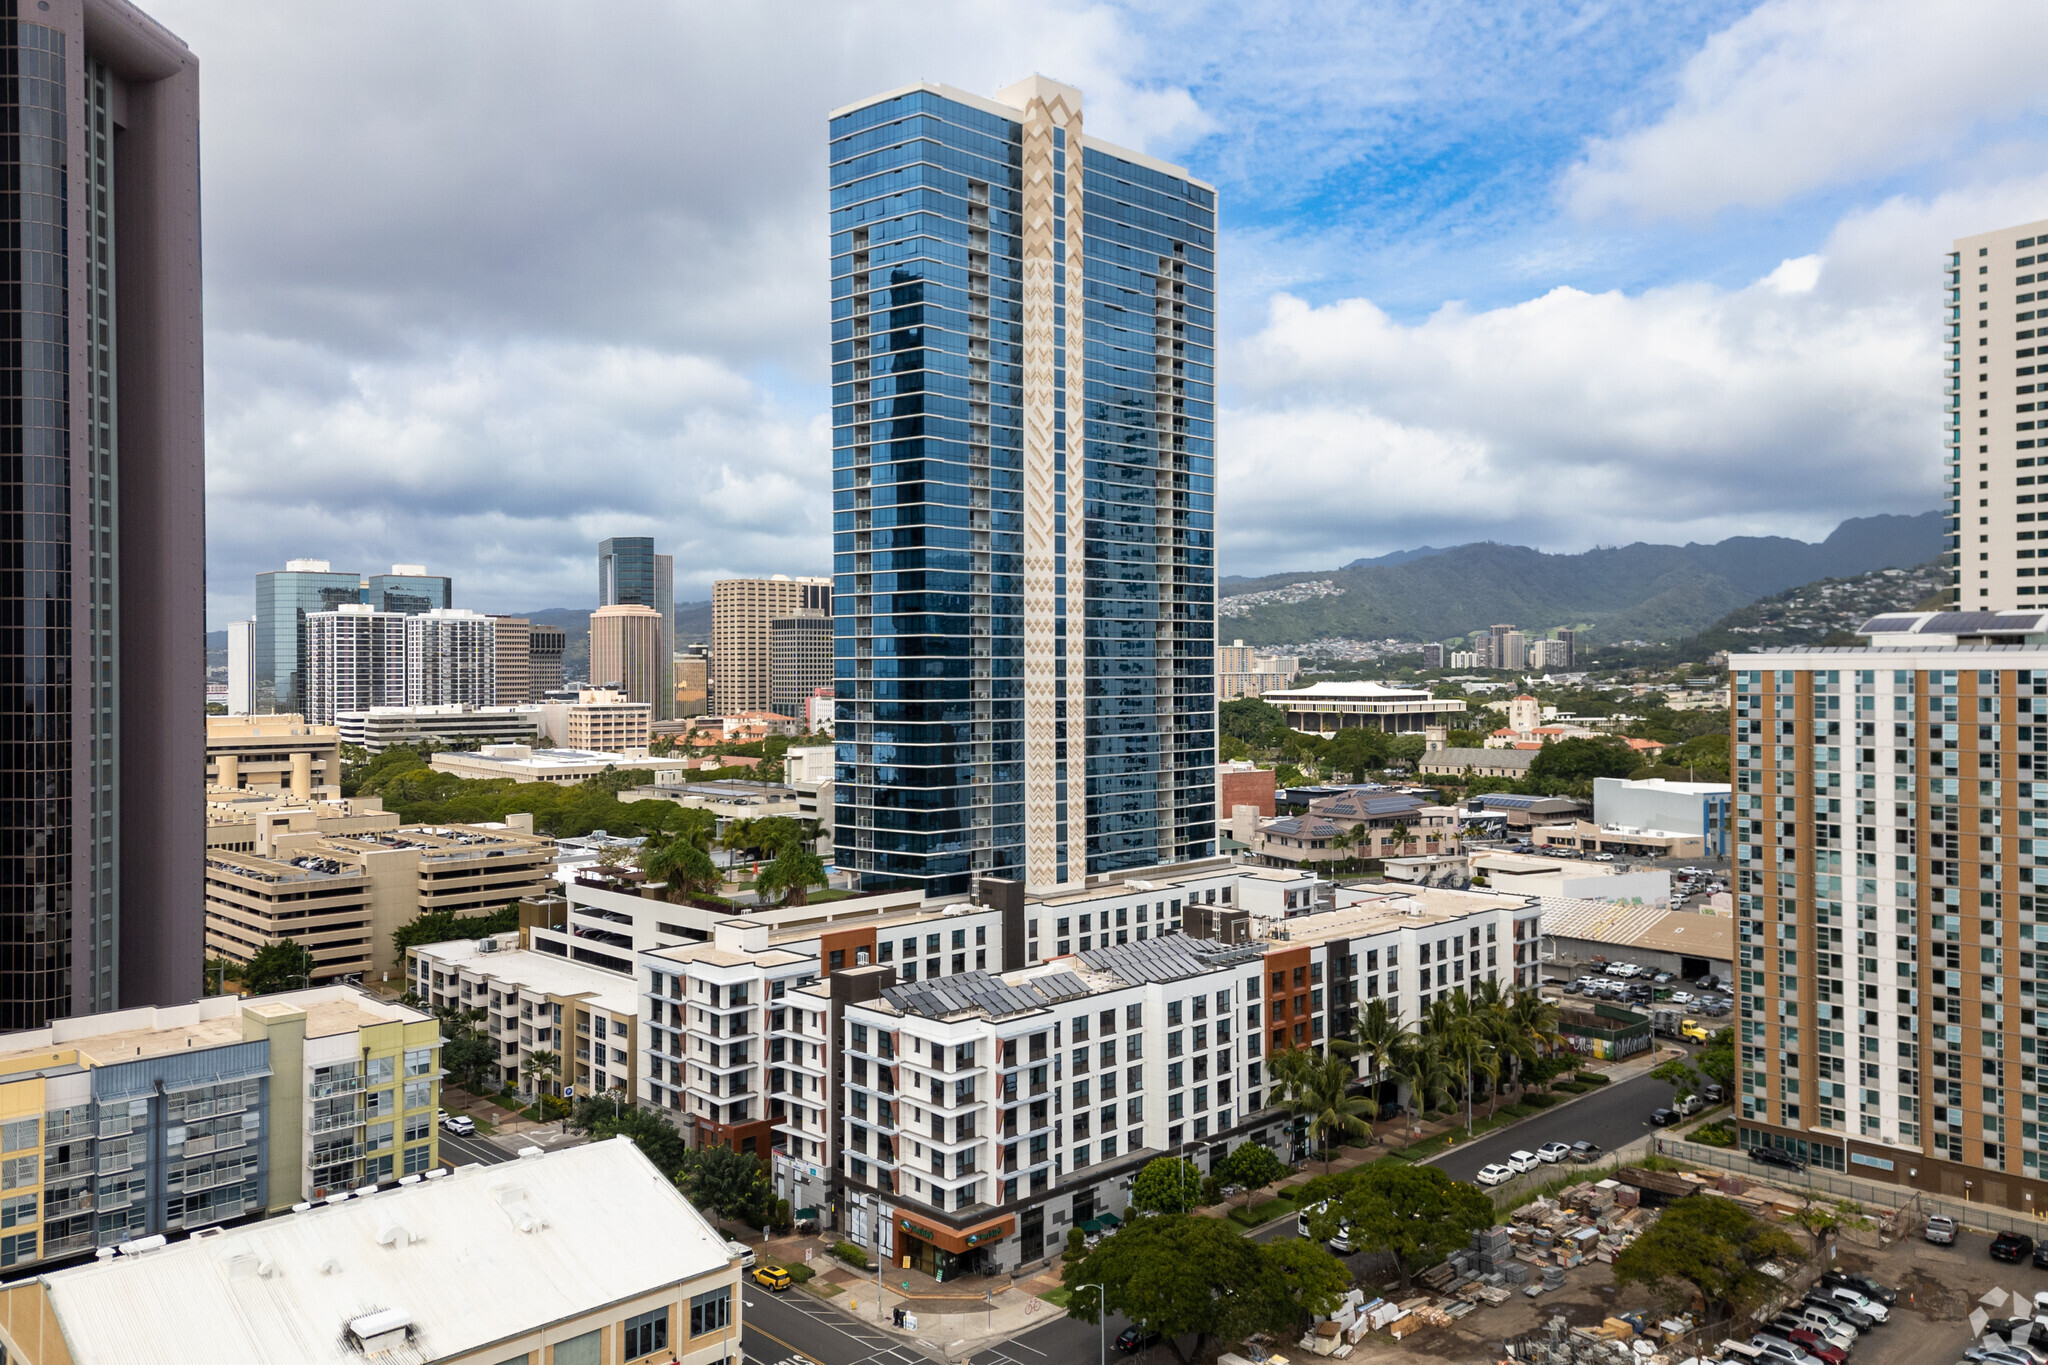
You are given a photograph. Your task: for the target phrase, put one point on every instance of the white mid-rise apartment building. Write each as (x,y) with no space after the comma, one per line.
(537,1002)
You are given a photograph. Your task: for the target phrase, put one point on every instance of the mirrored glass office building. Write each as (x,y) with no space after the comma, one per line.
(1023,374)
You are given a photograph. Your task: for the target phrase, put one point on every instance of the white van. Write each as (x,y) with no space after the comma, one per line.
(1340,1243)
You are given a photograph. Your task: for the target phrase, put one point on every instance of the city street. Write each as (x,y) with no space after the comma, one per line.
(1066,1341)
(792,1327)
(461,1151)
(1612,1116)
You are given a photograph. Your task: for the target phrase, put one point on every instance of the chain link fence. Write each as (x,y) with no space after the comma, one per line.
(1902,1200)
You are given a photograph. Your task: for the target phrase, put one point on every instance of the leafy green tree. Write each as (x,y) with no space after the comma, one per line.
(1823,1219)
(791,876)
(1568,767)
(1195,1277)
(1358,751)
(280,966)
(1709,1247)
(1168,1184)
(1252,1165)
(444,926)
(730,1183)
(655,1136)
(470,1060)
(684,868)
(1416,1213)
(1258,724)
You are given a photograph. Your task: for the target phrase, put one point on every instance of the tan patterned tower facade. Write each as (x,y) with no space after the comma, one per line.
(1023,397)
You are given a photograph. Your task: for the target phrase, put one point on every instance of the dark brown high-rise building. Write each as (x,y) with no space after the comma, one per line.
(102,513)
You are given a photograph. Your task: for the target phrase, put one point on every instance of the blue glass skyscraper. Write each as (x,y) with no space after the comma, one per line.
(1023,524)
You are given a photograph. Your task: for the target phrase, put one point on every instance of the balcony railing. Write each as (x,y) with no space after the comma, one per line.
(321,1090)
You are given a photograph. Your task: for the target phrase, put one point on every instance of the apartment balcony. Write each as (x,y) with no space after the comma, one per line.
(321,1090)
(334,1123)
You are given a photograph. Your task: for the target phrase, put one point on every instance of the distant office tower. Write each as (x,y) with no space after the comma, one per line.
(625,652)
(630,573)
(450,659)
(408,590)
(1570,655)
(1074,629)
(514,662)
(1506,647)
(693,678)
(1432,656)
(544,647)
(799,662)
(102,570)
(1993,450)
(284,598)
(355,659)
(741,610)
(241,667)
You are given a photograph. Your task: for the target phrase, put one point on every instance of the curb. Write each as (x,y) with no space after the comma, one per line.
(1567,1103)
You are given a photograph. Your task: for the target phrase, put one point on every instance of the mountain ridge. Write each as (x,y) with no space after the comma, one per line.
(1652,592)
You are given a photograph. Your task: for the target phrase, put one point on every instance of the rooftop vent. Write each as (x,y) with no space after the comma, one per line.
(381,1331)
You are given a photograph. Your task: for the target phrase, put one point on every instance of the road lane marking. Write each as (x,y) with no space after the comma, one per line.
(800,1355)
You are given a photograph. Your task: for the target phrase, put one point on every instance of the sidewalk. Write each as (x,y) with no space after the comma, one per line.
(955,1318)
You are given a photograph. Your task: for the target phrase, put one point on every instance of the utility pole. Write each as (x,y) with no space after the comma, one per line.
(1101,1322)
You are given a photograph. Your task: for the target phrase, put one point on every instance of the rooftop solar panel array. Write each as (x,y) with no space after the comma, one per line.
(980,992)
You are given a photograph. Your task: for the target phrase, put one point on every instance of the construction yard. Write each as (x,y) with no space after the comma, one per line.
(1474,1305)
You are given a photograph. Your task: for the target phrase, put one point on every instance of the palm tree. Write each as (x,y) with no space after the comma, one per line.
(1400,836)
(1291,1070)
(539,1068)
(791,876)
(1375,1039)
(1335,1112)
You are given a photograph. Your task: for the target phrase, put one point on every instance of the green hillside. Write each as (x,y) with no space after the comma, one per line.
(1654,593)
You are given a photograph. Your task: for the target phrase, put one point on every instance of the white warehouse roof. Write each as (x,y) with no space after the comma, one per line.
(437,1269)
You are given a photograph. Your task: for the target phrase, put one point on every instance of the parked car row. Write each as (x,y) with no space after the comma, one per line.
(1521,1163)
(1823,1326)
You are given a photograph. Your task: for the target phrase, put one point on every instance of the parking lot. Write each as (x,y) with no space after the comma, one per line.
(1938,1287)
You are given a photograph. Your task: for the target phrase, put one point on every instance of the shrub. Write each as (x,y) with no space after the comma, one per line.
(798,1272)
(1514,1111)
(1539,1100)
(1714,1134)
(1592,1078)
(851,1254)
(1570,1087)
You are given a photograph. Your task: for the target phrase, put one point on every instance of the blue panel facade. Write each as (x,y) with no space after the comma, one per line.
(928,504)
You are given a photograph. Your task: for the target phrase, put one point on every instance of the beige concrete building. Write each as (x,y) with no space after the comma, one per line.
(601,720)
(1242,671)
(344,895)
(237,820)
(1991,349)
(584,1256)
(523,763)
(274,751)
(538,1002)
(625,652)
(693,681)
(741,648)
(514,667)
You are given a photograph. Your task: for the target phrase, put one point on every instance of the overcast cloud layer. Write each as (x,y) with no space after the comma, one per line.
(488,283)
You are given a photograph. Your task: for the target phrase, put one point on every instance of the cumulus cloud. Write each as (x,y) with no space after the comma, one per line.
(1578,418)
(1804,95)
(486,284)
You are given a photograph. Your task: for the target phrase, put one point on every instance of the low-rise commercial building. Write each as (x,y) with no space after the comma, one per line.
(381,727)
(583,1256)
(1356,825)
(1687,944)
(1655,805)
(138,1122)
(278,751)
(1327,707)
(342,896)
(524,763)
(1532,874)
(1512,764)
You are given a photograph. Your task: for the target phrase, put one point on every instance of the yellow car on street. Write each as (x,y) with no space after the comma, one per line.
(771,1277)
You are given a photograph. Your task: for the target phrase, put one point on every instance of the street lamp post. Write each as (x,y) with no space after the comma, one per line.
(1101,1322)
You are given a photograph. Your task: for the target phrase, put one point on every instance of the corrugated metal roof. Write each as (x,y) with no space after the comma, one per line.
(1640,926)
(485,1254)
